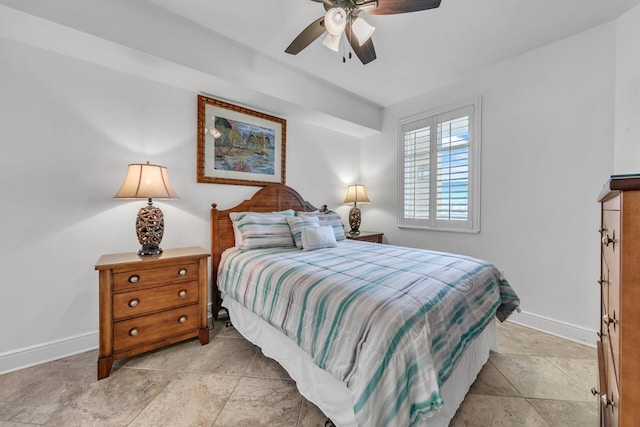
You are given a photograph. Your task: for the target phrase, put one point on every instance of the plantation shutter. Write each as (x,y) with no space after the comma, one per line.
(453,169)
(437,171)
(417,171)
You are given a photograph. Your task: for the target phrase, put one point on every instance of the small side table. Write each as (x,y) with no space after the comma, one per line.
(150,301)
(366,236)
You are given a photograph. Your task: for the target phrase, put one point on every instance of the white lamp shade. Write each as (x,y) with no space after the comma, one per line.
(332,42)
(356,194)
(146,181)
(362,30)
(335,20)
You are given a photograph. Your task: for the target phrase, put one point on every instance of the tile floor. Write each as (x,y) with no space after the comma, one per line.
(534,379)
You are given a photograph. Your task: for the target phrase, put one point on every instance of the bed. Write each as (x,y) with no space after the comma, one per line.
(374,335)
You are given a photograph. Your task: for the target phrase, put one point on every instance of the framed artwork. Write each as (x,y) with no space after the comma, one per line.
(240,146)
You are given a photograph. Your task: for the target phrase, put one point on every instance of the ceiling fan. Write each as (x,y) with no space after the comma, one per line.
(342,17)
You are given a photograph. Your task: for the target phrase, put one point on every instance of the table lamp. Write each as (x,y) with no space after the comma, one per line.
(355,195)
(147,181)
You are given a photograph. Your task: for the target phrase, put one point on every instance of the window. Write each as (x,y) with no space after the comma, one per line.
(439,156)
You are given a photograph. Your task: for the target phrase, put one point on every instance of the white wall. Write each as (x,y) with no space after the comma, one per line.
(627,128)
(547,142)
(69,129)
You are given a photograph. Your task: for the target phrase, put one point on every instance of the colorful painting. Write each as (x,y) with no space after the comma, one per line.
(237,145)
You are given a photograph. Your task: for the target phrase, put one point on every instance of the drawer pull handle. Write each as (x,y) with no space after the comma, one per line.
(603,282)
(134,302)
(606,240)
(133,332)
(182,293)
(600,334)
(182,272)
(606,319)
(134,278)
(182,319)
(606,402)
(594,391)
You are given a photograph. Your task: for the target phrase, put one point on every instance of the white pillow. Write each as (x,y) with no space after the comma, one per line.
(318,237)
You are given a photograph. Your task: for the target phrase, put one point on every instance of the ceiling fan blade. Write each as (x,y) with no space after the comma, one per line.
(366,53)
(307,36)
(391,7)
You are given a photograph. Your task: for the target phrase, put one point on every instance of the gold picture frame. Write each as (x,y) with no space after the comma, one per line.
(237,145)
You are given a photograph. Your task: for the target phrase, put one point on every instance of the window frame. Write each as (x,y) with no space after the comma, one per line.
(435,116)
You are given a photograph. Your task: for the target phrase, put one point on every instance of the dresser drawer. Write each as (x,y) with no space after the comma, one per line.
(144,301)
(141,278)
(612,204)
(146,329)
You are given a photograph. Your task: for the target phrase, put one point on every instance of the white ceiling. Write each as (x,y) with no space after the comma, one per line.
(415,51)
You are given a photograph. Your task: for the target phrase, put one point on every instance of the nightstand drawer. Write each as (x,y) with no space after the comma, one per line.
(146,329)
(140,278)
(144,301)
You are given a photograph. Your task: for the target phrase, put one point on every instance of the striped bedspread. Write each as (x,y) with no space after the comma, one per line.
(390,322)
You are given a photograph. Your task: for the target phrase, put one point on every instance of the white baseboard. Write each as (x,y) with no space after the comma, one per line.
(47,352)
(54,350)
(555,327)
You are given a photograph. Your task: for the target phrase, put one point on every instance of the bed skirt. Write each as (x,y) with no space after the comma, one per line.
(329,394)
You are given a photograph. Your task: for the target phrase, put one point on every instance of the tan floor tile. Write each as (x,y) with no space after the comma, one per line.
(491,381)
(263,367)
(537,377)
(189,400)
(113,401)
(516,339)
(273,403)
(499,411)
(560,413)
(582,371)
(227,356)
(36,394)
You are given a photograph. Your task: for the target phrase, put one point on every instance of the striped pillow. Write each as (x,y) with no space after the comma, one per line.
(296,224)
(328,218)
(264,231)
(235,216)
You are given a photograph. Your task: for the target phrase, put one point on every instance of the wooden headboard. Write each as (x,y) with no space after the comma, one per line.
(276,197)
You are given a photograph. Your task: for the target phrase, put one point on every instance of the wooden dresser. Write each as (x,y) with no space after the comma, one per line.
(619,344)
(150,301)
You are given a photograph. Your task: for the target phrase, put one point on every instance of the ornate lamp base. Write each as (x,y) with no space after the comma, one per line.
(150,229)
(354,220)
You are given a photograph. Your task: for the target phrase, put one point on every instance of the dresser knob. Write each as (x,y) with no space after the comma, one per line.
(602,282)
(133,332)
(134,302)
(182,272)
(182,293)
(182,319)
(594,391)
(134,278)
(600,334)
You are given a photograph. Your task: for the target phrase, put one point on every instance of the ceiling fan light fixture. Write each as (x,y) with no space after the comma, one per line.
(335,20)
(362,30)
(332,42)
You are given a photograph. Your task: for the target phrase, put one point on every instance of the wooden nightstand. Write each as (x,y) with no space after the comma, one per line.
(147,302)
(366,236)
